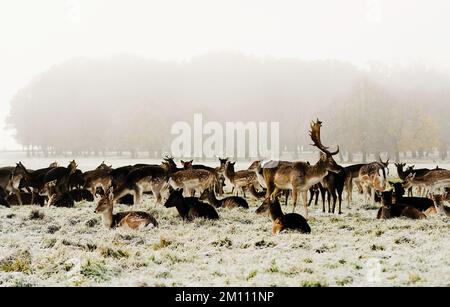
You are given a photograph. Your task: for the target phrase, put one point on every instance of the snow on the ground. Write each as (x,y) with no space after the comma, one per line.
(70,247)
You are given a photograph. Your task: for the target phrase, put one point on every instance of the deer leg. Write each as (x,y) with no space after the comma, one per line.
(317,192)
(137,194)
(287,197)
(372,196)
(274,194)
(305,199)
(349,191)
(340,201)
(311,192)
(333,194)
(323,192)
(294,198)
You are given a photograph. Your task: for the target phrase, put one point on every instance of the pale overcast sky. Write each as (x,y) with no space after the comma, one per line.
(37,34)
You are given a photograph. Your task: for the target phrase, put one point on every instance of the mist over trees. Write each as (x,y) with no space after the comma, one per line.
(128,103)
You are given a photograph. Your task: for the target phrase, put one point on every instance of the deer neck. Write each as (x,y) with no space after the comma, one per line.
(230,173)
(319,169)
(107,217)
(275,211)
(214,201)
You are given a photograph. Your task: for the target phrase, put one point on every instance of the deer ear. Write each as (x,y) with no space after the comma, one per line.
(192,161)
(111,193)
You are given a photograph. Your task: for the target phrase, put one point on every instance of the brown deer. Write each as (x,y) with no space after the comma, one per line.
(281,221)
(98,178)
(299,177)
(240,180)
(219,187)
(130,219)
(352,176)
(193,180)
(373,178)
(228,202)
(143,179)
(190,208)
(430,182)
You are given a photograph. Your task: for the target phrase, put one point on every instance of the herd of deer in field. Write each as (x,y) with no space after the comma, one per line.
(194,189)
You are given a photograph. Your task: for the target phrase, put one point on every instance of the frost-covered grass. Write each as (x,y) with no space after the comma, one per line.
(70,247)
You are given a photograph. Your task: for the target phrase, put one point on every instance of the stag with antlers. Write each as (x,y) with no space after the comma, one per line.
(299,177)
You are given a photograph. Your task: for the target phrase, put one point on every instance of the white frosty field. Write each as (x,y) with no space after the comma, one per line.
(69,247)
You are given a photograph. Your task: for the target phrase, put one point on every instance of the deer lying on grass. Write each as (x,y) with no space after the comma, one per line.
(190,208)
(421,203)
(299,177)
(26,199)
(228,202)
(281,221)
(392,210)
(373,178)
(430,182)
(130,219)
(143,179)
(240,180)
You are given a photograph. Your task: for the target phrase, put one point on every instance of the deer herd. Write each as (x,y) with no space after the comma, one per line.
(196,191)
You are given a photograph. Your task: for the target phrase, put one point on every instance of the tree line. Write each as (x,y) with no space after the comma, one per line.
(128,103)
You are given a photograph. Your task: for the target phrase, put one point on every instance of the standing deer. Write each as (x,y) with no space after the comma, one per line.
(352,176)
(299,177)
(402,174)
(240,180)
(193,180)
(373,178)
(143,179)
(431,181)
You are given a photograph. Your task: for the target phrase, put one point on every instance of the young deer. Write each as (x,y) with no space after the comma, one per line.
(299,177)
(190,208)
(240,180)
(218,188)
(130,219)
(283,221)
(333,186)
(228,202)
(373,178)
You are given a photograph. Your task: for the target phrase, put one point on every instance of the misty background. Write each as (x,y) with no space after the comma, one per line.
(87,77)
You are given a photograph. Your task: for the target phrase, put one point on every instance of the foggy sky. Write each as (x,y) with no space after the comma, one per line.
(38,34)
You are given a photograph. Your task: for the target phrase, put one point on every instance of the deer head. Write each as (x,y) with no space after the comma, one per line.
(187,164)
(409,181)
(326,156)
(72,166)
(106,202)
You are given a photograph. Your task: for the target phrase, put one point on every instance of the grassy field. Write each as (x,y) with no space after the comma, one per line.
(70,247)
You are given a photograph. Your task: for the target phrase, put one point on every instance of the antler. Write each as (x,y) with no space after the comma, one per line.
(315,137)
(168,158)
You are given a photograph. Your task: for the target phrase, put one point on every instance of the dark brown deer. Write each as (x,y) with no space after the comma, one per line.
(129,219)
(402,174)
(61,175)
(299,177)
(190,208)
(228,202)
(281,221)
(143,179)
(390,210)
(332,186)
(420,203)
